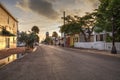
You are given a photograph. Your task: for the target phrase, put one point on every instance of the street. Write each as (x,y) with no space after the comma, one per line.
(58,63)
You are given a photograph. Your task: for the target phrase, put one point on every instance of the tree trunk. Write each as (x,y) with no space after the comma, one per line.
(85,37)
(89,36)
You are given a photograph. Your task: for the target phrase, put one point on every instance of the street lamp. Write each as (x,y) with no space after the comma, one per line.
(113,51)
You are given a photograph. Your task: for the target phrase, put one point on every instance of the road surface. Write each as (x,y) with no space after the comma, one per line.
(57,63)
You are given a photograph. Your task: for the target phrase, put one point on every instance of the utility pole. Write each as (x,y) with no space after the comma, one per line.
(64,17)
(64,26)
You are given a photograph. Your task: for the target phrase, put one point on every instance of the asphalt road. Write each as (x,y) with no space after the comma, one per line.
(57,63)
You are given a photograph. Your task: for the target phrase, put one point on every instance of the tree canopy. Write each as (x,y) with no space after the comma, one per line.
(29,38)
(76,25)
(108,15)
(35,29)
(55,34)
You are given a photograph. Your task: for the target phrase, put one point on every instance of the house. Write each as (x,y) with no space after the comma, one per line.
(71,39)
(8,29)
(100,41)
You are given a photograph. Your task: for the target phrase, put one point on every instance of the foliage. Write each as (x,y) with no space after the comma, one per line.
(76,25)
(108,38)
(23,36)
(108,16)
(35,29)
(55,34)
(70,28)
(87,23)
(48,40)
(37,38)
(29,39)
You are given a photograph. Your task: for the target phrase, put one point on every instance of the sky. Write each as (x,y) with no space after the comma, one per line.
(46,14)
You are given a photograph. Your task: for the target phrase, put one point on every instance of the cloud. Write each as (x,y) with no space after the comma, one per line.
(52,8)
(94,3)
(42,7)
(75,6)
(23,4)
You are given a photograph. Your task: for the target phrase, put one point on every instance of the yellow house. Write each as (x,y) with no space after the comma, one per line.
(71,39)
(74,38)
(10,24)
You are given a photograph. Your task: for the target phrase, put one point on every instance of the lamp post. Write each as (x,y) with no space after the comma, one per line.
(113,51)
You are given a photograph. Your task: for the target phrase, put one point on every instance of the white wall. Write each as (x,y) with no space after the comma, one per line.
(108,46)
(97,45)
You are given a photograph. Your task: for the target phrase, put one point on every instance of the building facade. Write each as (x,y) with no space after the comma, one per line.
(10,25)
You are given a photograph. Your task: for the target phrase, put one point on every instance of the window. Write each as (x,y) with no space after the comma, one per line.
(97,38)
(100,37)
(8,19)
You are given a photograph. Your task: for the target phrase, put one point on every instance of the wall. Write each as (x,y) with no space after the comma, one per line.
(7,21)
(11,24)
(97,45)
(4,43)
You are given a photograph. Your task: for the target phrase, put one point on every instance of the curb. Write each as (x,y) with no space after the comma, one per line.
(35,49)
(102,52)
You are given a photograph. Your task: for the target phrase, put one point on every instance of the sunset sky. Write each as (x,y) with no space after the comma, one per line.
(46,14)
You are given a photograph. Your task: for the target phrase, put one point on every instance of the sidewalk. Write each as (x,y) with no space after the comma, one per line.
(7,52)
(95,51)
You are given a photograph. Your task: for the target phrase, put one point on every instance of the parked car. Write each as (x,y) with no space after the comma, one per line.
(21,45)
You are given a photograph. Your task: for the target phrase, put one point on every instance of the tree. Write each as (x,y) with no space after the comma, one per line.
(23,36)
(108,10)
(87,23)
(32,37)
(55,34)
(48,40)
(28,39)
(70,28)
(35,29)
(79,25)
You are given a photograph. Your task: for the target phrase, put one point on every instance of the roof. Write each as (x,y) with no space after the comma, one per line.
(2,6)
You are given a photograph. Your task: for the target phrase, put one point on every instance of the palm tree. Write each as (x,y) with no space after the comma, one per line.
(55,35)
(35,29)
(31,39)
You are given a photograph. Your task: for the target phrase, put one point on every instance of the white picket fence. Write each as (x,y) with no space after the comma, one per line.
(97,45)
